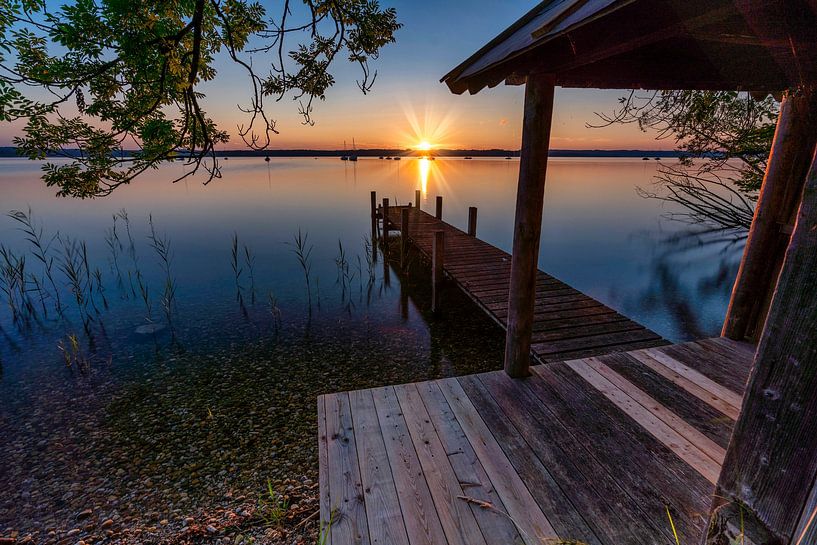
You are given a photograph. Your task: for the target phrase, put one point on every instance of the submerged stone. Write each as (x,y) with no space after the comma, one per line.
(147,329)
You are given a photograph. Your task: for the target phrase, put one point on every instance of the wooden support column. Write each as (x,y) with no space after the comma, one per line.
(417,199)
(528,222)
(374,216)
(438,213)
(437,262)
(404,234)
(385,220)
(768,477)
(777,204)
(472,221)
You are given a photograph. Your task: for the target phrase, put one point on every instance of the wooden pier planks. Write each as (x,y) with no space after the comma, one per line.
(567,323)
(595,449)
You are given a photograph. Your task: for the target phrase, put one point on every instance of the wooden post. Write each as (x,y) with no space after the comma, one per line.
(385,219)
(417,199)
(374,216)
(404,234)
(786,169)
(768,477)
(439,211)
(528,222)
(472,221)
(437,262)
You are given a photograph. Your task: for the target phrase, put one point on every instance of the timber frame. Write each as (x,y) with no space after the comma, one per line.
(767,489)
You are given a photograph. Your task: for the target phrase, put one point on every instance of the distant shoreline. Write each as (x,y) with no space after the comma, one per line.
(11,152)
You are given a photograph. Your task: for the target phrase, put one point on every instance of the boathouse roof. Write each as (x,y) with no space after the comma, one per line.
(754,45)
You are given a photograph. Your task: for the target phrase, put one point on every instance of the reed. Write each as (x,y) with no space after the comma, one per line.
(249,261)
(303,252)
(123,215)
(71,264)
(41,248)
(369,252)
(72,354)
(274,311)
(115,248)
(161,245)
(13,285)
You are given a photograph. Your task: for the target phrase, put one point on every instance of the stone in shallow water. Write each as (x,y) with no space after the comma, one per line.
(149,328)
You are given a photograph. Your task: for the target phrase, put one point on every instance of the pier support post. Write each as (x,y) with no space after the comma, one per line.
(530,195)
(385,219)
(472,221)
(437,262)
(794,138)
(374,216)
(768,482)
(404,240)
(438,213)
(417,199)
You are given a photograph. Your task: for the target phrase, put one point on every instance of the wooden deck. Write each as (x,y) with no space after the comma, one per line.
(595,450)
(568,324)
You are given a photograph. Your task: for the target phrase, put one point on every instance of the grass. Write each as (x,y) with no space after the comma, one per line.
(272,507)
(161,246)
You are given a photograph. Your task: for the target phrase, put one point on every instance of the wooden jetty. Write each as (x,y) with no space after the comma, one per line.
(567,323)
(611,450)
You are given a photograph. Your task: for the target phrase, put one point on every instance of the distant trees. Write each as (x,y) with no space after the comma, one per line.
(726,138)
(105,76)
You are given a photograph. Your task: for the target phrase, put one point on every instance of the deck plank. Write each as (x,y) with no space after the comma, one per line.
(495,526)
(458,521)
(345,487)
(383,513)
(522,509)
(419,513)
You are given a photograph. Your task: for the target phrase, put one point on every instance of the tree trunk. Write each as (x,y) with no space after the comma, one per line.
(528,223)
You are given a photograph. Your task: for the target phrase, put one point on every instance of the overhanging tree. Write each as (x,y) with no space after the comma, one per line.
(725,138)
(95,79)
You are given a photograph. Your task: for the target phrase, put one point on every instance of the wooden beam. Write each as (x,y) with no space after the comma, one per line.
(404,238)
(794,140)
(528,223)
(472,221)
(437,263)
(417,198)
(438,212)
(771,464)
(374,216)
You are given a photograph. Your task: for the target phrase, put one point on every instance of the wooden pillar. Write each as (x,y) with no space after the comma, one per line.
(472,221)
(404,237)
(528,223)
(438,213)
(385,219)
(794,138)
(374,217)
(768,476)
(437,262)
(417,199)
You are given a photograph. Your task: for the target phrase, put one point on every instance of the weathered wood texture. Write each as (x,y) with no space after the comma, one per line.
(777,206)
(530,195)
(771,463)
(567,323)
(594,450)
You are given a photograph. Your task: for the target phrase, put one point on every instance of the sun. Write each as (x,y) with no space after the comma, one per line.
(424,145)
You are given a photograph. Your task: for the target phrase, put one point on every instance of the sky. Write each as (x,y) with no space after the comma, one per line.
(408,104)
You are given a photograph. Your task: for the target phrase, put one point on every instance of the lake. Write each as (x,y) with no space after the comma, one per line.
(173,380)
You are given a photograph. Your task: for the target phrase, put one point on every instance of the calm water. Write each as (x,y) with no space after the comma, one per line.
(222,398)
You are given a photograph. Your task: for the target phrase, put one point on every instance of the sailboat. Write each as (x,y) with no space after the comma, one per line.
(353,156)
(344,157)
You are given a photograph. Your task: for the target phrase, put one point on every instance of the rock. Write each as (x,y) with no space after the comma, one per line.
(72,533)
(147,329)
(107,523)
(211,529)
(84,514)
